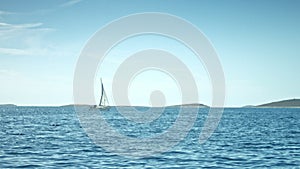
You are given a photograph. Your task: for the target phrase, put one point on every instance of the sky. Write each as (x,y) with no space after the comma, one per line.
(258,44)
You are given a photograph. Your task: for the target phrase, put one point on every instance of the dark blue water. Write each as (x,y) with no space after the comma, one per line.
(52,137)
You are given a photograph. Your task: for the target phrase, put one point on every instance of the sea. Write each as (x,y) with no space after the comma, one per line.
(54,137)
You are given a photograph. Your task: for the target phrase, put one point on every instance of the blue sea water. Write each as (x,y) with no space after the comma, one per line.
(52,137)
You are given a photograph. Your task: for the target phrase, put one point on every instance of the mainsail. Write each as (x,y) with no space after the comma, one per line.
(103,104)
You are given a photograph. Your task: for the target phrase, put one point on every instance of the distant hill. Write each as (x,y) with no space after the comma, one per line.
(190,105)
(76,105)
(284,103)
(8,105)
(248,106)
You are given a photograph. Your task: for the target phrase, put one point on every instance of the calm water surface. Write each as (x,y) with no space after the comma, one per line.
(245,138)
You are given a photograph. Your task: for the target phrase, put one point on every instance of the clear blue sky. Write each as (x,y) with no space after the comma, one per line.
(258,43)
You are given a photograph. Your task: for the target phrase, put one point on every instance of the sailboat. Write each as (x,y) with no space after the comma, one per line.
(103,104)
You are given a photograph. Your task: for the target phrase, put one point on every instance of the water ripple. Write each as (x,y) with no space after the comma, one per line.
(35,137)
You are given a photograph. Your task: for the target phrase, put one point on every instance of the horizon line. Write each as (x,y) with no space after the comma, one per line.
(204,105)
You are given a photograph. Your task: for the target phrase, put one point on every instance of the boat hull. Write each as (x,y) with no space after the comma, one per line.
(101,107)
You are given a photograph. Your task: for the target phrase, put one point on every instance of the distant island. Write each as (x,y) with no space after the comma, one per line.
(190,105)
(76,105)
(291,103)
(8,105)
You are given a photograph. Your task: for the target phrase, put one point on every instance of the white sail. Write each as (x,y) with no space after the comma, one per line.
(103,104)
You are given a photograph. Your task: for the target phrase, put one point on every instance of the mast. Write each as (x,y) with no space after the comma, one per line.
(102,91)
